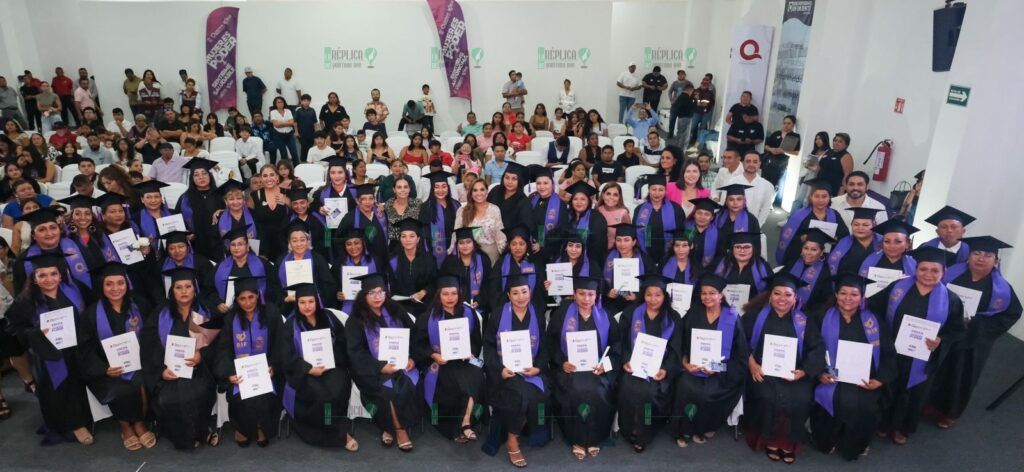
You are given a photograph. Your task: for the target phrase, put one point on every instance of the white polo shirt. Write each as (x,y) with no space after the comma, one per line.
(839,204)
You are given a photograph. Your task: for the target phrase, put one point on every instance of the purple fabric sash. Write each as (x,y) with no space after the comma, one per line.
(526,268)
(609,266)
(373,340)
(793,224)
(710,242)
(505,325)
(668,221)
(843,246)
(132,323)
(552,210)
(147,224)
(165,321)
(636,325)
(58,369)
(430,379)
(671,269)
(909,265)
(938,311)
(107,248)
(799,325)
(226,222)
(823,393)
(288,396)
(476,275)
(757,270)
(72,255)
(439,232)
(727,326)
(189,261)
(1001,292)
(961,254)
(366,261)
(328,192)
(249,342)
(571,323)
(583,223)
(256,269)
(807,274)
(742,223)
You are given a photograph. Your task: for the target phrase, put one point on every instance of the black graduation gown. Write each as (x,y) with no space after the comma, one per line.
(778,406)
(91,252)
(518,405)
(617,304)
(636,394)
(697,248)
(596,234)
(317,398)
(21,276)
(327,191)
(515,210)
(207,240)
(658,242)
(714,397)
(589,427)
(820,292)
(274,292)
(453,265)
(745,276)
(409,277)
(373,232)
(959,374)
(181,406)
(379,392)
(792,252)
(262,412)
(857,410)
(552,240)
(728,227)
(496,284)
(903,406)
(326,286)
(322,243)
(851,262)
(205,270)
(458,381)
(124,397)
(427,218)
(65,407)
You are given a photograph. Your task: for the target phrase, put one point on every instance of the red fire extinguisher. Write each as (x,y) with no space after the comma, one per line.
(882,160)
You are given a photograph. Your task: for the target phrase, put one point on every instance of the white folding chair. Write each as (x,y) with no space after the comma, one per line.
(415,172)
(146,168)
(544,134)
(376,171)
(172,192)
(177,148)
(340,315)
(422,188)
(223,143)
(68,172)
(310,172)
(616,129)
(59,190)
(450,134)
(540,144)
(100,167)
(530,157)
(575,146)
(82,142)
(98,410)
(7,234)
(450,143)
(398,141)
(47,135)
(634,172)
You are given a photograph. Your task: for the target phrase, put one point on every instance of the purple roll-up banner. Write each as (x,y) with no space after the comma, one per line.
(221,41)
(451,30)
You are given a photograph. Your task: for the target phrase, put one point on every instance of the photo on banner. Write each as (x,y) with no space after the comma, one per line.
(750,56)
(789,67)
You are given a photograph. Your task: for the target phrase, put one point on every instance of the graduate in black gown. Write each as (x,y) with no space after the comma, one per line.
(473,268)
(649,398)
(48,237)
(117,312)
(59,386)
(314,392)
(298,239)
(776,408)
(352,252)
(509,197)
(921,295)
(178,252)
(845,415)
(251,328)
(704,246)
(519,399)
(242,262)
(84,230)
(707,393)
(182,405)
(548,214)
(742,265)
(587,221)
(452,388)
(657,217)
(235,215)
(847,255)
(438,215)
(198,205)
(949,227)
(114,218)
(799,222)
(584,394)
(998,310)
(894,254)
(320,234)
(412,270)
(388,392)
(626,247)
(679,266)
(369,218)
(812,269)
(338,185)
(517,259)
(153,208)
(735,217)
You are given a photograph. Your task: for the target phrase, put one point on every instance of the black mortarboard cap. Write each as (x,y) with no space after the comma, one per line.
(949,213)
(149,186)
(930,254)
(625,229)
(79,201)
(985,243)
(705,204)
(895,226)
(735,189)
(200,163)
(861,213)
(582,187)
(587,283)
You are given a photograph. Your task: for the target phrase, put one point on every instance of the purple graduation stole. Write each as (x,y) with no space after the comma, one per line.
(671,269)
(73,257)
(373,340)
(636,326)
(288,396)
(793,224)
(107,248)
(961,254)
(609,266)
(799,325)
(807,274)
(476,275)
(668,221)
(328,192)
(742,223)
(583,223)
(185,208)
(938,311)
(525,268)
(256,268)
(378,217)
(226,222)
(430,379)
(132,323)
(552,210)
(727,326)
(439,232)
(165,321)
(843,246)
(909,265)
(571,324)
(249,342)
(1001,292)
(756,269)
(710,242)
(189,261)
(505,325)
(366,261)
(823,393)
(58,369)
(147,224)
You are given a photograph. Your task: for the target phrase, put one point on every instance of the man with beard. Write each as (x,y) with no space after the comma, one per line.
(856,197)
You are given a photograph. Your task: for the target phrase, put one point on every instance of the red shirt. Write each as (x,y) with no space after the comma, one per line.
(58,139)
(446,158)
(519,143)
(63,85)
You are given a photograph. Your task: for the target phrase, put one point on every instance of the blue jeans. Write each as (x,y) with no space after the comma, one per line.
(285,143)
(624,104)
(699,121)
(48,122)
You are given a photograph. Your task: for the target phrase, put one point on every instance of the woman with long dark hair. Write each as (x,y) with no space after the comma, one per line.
(411,270)
(615,298)
(84,230)
(679,266)
(687,187)
(270,209)
(813,269)
(518,258)
(153,208)
(658,217)
(299,240)
(484,216)
(438,215)
(548,213)
(353,251)
(198,205)
(472,265)
(509,196)
(819,211)
(586,221)
(735,218)
(338,186)
(742,265)
(332,112)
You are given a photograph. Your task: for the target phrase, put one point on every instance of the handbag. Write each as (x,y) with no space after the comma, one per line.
(898,195)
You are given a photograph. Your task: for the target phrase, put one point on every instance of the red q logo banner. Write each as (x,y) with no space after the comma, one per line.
(750,50)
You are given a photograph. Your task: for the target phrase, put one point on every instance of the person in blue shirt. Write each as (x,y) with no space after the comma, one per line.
(305,124)
(641,119)
(254,89)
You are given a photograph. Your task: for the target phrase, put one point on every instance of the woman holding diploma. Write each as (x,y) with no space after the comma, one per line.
(338,186)
(615,299)
(847,410)
(312,392)
(241,262)
(742,265)
(705,244)
(117,312)
(198,205)
(299,238)
(153,207)
(235,215)
(584,393)
(735,218)
(518,259)
(909,304)
(47,237)
(472,266)
(789,248)
(576,252)
(412,270)
(451,386)
(83,230)
(369,218)
(517,398)
(786,355)
(678,266)
(811,267)
(548,213)
(588,222)
(388,391)
(438,215)
(355,254)
(182,405)
(847,254)
(648,390)
(709,389)
(58,385)
(254,328)
(114,218)
(319,233)
(894,253)
(658,217)
(178,253)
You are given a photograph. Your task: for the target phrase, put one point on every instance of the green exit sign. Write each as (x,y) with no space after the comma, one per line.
(958,95)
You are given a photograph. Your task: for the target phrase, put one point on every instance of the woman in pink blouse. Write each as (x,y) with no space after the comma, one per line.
(610,205)
(687,187)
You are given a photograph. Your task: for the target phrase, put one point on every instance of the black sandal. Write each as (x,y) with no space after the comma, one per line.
(5,409)
(788,457)
(774,454)
(213,438)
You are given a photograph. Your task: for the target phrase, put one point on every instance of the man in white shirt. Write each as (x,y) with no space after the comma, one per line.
(730,168)
(290,89)
(320,151)
(513,92)
(628,83)
(170,167)
(249,151)
(119,126)
(183,75)
(652,149)
(856,196)
(761,193)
